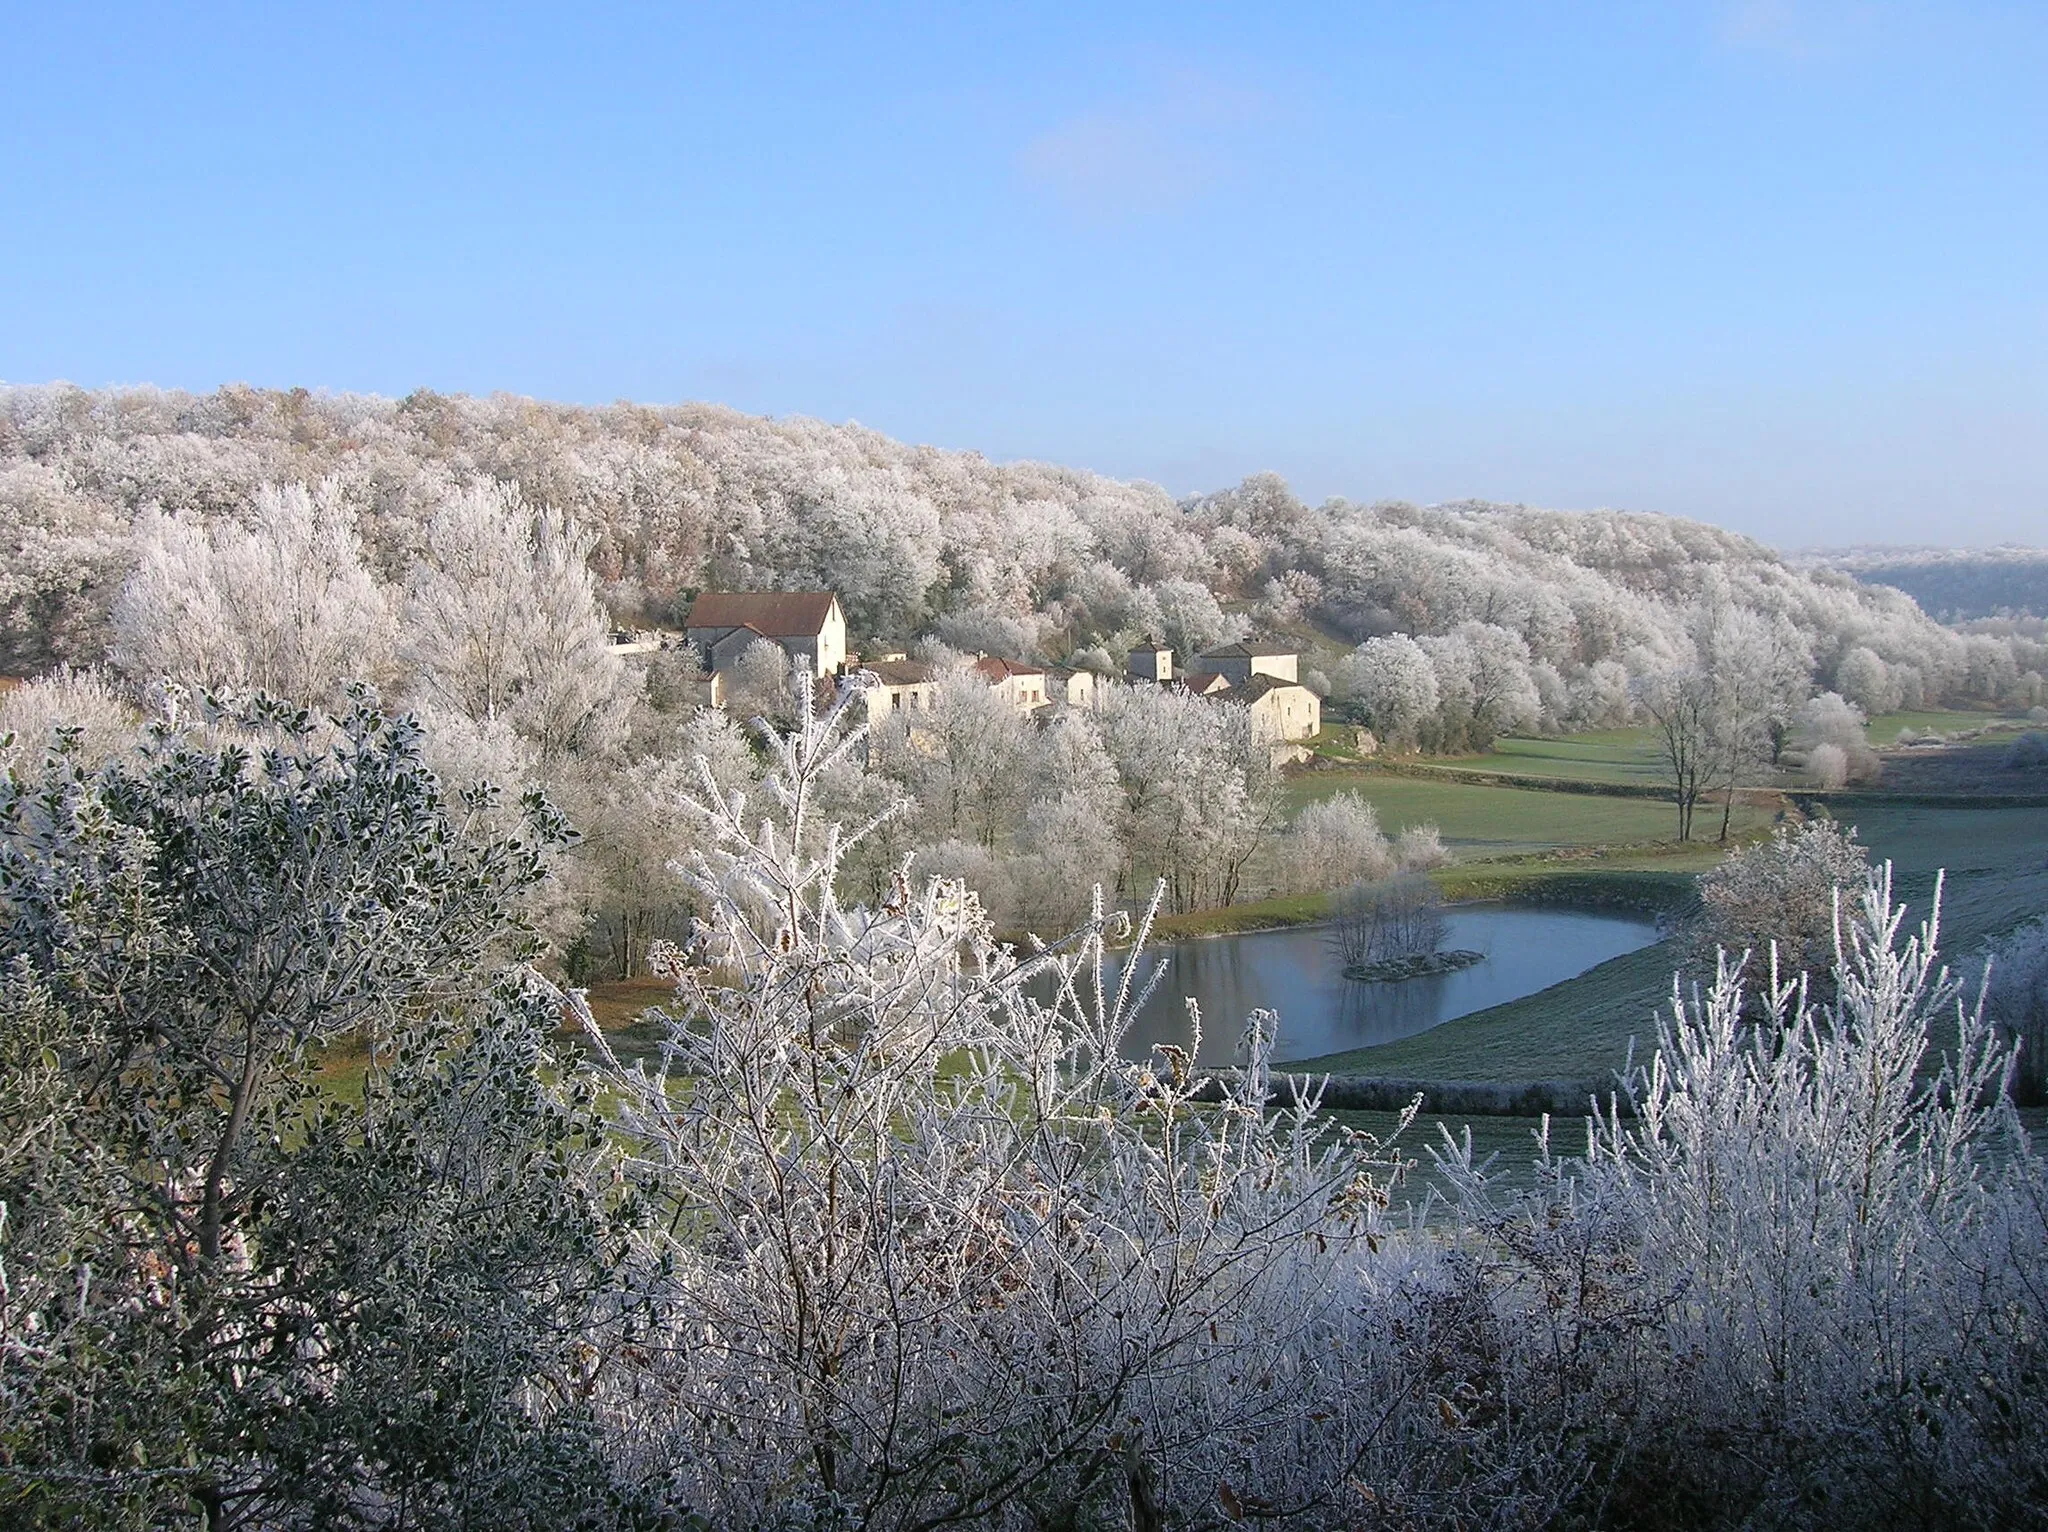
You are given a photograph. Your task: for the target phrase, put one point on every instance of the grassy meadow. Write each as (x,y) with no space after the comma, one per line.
(1482,820)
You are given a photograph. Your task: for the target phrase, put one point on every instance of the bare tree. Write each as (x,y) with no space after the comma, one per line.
(1681,705)
(1384,922)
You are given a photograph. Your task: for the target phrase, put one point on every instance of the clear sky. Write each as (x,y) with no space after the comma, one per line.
(1779,264)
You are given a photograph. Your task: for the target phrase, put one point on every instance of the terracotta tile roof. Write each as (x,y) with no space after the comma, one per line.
(1202,682)
(995,670)
(773,613)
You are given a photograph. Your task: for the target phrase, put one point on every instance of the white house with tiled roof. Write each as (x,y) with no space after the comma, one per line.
(1020,685)
(808,624)
(1280,709)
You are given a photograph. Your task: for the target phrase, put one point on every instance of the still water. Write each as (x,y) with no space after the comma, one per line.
(1295,973)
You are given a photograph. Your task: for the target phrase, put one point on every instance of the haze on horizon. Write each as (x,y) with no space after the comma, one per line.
(1774,264)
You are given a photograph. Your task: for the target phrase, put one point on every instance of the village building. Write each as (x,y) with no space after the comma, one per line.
(1022,686)
(1280,710)
(806,624)
(1150,661)
(894,683)
(1238,663)
(1075,688)
(1262,678)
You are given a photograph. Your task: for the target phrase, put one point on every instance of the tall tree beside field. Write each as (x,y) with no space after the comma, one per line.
(1681,708)
(1392,683)
(1757,668)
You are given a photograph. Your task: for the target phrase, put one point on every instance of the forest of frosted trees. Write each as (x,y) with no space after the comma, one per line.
(1536,618)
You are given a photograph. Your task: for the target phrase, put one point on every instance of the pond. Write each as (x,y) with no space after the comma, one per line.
(1294,972)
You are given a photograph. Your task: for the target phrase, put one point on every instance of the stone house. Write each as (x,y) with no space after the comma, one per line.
(1238,663)
(806,624)
(1076,688)
(1280,710)
(895,684)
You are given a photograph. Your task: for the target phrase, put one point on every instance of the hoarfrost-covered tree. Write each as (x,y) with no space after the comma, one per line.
(1756,669)
(283,605)
(939,1253)
(1337,841)
(1799,1285)
(1190,619)
(1832,720)
(1392,683)
(502,621)
(1778,901)
(963,759)
(1199,792)
(1681,707)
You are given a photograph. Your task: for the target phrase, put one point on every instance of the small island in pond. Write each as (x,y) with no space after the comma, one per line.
(1390,929)
(1415,965)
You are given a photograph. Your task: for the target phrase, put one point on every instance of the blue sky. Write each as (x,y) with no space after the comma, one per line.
(1779,264)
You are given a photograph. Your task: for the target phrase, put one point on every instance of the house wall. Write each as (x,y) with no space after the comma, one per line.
(1238,671)
(1288,712)
(1151,665)
(824,653)
(1025,693)
(830,653)
(1282,667)
(912,697)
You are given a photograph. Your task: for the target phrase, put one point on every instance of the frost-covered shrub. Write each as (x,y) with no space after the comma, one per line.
(1799,1287)
(1420,848)
(1827,767)
(2018,1001)
(88,702)
(1829,720)
(1337,841)
(2029,752)
(935,1251)
(1779,900)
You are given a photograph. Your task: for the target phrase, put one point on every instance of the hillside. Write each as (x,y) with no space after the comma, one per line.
(1022,557)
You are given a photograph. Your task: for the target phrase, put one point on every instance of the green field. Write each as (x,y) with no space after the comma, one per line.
(1600,755)
(1996,861)
(1883,728)
(1483,820)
